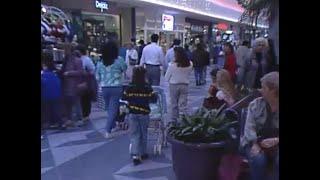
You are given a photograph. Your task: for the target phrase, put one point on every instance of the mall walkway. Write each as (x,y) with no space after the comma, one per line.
(84,154)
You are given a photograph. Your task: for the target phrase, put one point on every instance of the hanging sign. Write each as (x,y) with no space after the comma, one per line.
(167,22)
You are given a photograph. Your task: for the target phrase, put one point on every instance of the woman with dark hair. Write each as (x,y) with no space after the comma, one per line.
(109,76)
(139,94)
(178,77)
(230,61)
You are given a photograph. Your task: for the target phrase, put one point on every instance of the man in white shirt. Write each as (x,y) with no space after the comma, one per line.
(131,59)
(170,53)
(89,67)
(153,57)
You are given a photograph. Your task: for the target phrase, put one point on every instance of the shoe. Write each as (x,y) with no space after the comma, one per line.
(42,137)
(109,135)
(136,160)
(54,126)
(86,119)
(80,123)
(145,156)
(117,128)
(68,123)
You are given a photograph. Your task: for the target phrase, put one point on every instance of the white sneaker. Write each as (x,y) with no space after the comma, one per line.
(42,137)
(109,135)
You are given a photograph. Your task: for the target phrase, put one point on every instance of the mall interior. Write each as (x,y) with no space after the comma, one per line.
(227,107)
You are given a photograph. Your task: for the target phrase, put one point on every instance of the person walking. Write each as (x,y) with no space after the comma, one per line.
(87,96)
(188,52)
(138,95)
(140,49)
(200,59)
(170,53)
(109,76)
(131,59)
(230,61)
(153,57)
(242,57)
(178,77)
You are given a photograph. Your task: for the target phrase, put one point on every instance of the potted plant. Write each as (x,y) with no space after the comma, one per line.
(198,143)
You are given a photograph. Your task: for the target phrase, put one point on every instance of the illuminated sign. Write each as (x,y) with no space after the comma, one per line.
(222,26)
(167,22)
(102,4)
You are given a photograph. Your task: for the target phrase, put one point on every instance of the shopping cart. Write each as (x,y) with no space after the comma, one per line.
(156,125)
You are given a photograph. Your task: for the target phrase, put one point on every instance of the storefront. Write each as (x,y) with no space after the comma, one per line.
(198,30)
(167,25)
(94,21)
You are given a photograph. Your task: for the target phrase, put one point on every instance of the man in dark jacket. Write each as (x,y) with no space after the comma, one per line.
(200,59)
(140,49)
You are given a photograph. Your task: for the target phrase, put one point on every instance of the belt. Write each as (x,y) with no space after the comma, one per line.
(153,65)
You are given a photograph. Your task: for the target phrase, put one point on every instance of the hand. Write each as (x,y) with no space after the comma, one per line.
(270,142)
(255,150)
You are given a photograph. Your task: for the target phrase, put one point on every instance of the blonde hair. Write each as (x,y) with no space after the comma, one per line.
(260,40)
(225,83)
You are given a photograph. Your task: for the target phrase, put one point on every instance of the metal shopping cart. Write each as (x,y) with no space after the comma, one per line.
(156,125)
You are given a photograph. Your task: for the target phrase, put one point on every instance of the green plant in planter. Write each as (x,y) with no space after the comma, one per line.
(205,126)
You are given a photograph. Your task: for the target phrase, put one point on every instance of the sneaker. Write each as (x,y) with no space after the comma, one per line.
(86,119)
(145,156)
(42,137)
(80,123)
(109,135)
(54,126)
(136,160)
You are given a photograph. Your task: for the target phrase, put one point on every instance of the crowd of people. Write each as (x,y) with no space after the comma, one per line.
(67,93)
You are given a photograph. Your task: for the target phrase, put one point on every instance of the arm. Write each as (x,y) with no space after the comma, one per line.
(134,55)
(250,133)
(161,57)
(123,65)
(168,73)
(90,66)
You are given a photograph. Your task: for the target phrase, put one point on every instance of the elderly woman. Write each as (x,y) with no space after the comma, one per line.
(261,132)
(256,66)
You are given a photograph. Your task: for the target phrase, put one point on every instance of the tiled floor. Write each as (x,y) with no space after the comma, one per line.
(83,153)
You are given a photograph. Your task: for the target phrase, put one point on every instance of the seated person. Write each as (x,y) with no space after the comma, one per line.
(261,132)
(212,102)
(227,91)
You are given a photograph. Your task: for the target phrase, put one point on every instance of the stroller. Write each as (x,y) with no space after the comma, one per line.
(157,125)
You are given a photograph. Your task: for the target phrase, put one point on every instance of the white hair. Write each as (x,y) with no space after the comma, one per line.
(260,40)
(272,80)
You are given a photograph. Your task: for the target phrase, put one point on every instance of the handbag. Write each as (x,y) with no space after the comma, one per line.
(132,62)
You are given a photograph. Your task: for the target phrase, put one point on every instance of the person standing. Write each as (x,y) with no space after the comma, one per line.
(170,53)
(153,57)
(178,77)
(200,59)
(109,76)
(87,96)
(50,93)
(242,57)
(140,49)
(131,59)
(230,61)
(138,95)
(188,52)
(257,65)
(72,75)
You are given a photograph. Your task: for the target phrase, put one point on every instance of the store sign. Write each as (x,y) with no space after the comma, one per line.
(196,28)
(102,4)
(222,26)
(167,22)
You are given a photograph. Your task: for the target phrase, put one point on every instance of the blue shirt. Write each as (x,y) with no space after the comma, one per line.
(50,86)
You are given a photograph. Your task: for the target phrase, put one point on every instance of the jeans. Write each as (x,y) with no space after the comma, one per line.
(111,97)
(72,105)
(178,99)
(258,165)
(138,124)
(86,104)
(204,75)
(153,74)
(198,72)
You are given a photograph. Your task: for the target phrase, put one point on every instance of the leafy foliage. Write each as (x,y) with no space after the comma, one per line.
(205,126)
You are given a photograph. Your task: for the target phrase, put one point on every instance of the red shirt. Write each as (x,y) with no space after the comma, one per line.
(230,65)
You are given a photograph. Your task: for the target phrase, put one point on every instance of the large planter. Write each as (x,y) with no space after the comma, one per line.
(196,161)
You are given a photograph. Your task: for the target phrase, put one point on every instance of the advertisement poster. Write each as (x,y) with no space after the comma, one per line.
(167,22)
